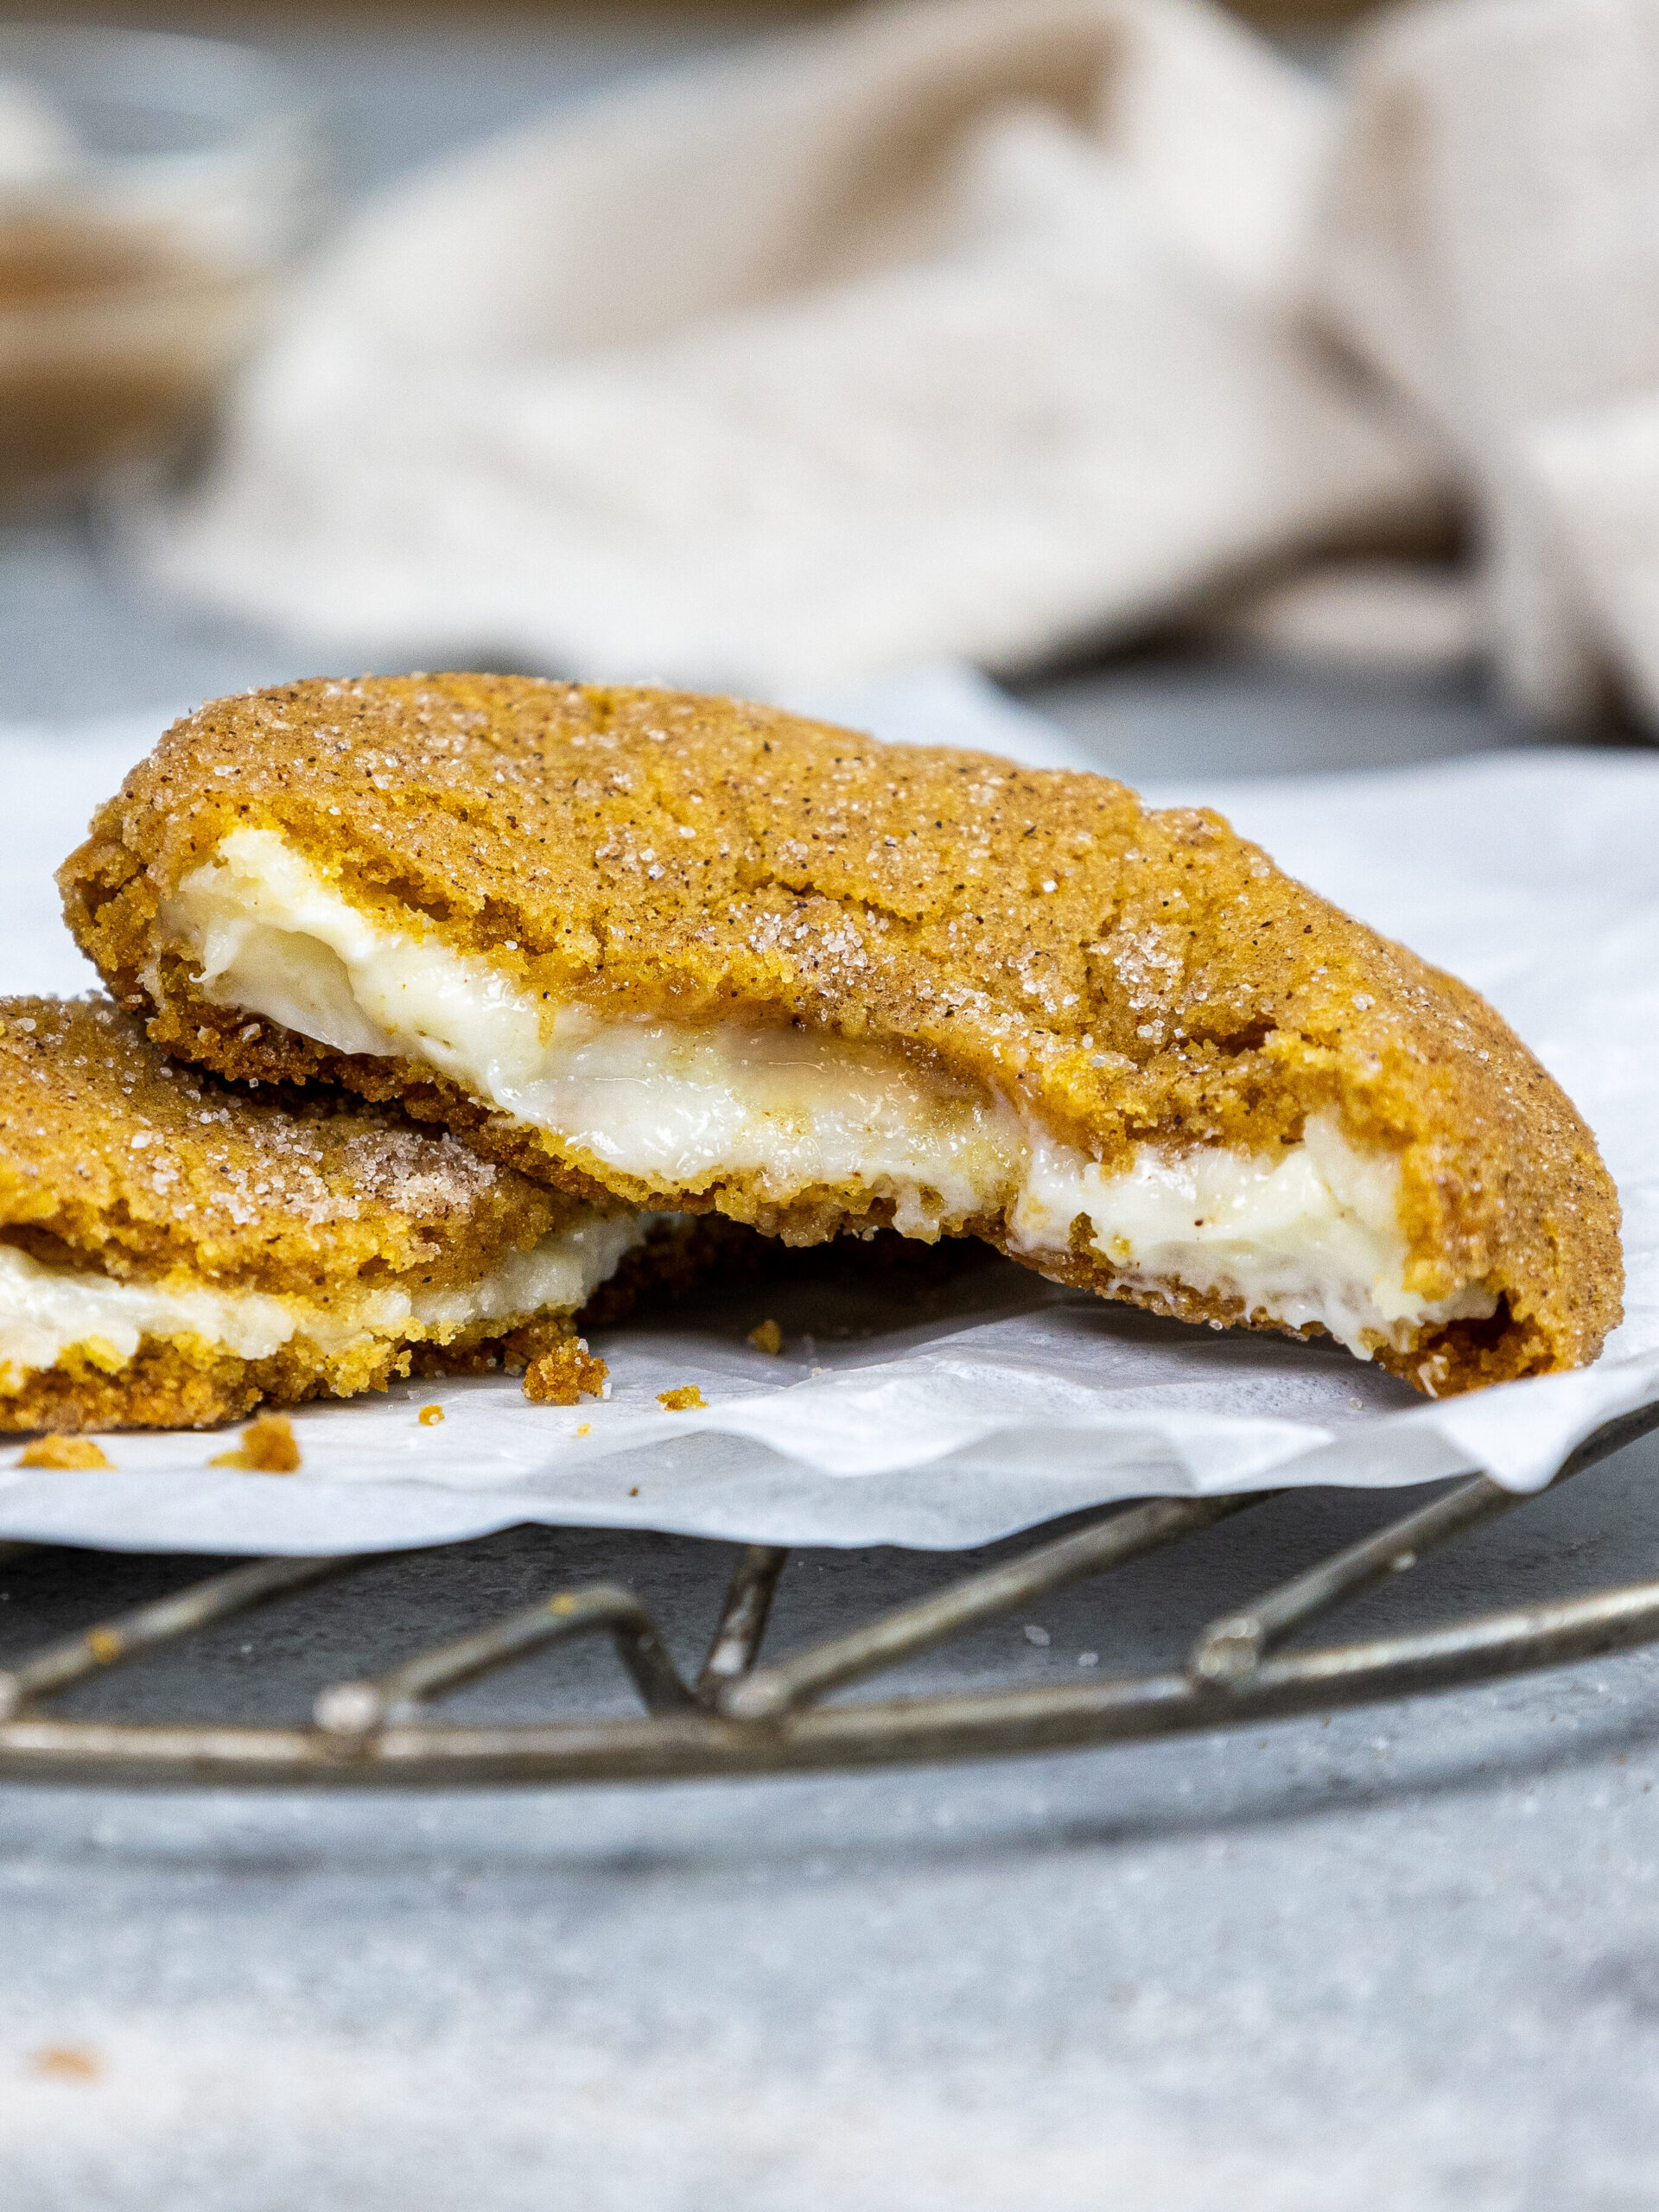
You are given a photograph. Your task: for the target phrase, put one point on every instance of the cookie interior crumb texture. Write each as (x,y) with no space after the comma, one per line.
(696,954)
(174,1249)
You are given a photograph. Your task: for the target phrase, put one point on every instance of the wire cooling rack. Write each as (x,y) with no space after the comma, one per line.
(744,1716)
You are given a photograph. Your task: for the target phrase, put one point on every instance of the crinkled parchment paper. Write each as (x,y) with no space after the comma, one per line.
(954,1414)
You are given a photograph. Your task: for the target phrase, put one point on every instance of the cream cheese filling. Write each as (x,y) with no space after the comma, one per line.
(1309,1235)
(45,1311)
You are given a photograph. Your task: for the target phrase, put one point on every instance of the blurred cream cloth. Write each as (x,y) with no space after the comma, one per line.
(953,329)
(1493,244)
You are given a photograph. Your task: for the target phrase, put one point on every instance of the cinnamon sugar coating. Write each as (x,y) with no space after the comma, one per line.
(115,1157)
(1123,974)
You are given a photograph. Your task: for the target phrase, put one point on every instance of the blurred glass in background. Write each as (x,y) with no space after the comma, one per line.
(153,191)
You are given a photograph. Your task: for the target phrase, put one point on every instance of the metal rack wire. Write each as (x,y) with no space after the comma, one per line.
(742,1716)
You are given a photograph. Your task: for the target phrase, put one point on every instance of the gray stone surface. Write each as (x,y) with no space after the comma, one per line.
(1405,1958)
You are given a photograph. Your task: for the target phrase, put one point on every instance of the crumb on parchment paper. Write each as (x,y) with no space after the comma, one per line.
(268,1447)
(687,1399)
(66,2062)
(767,1337)
(584,1428)
(65,1451)
(565,1375)
(430,1416)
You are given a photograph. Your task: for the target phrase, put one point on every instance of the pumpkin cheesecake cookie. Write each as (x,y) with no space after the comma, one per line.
(688,952)
(172,1251)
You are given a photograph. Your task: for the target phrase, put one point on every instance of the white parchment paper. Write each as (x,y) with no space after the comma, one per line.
(953,1415)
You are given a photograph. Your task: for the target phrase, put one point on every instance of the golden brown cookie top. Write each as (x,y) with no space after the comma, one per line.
(1122,973)
(111,1153)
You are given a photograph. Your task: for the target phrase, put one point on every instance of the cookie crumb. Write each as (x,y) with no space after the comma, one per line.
(634,1492)
(584,1428)
(687,1399)
(268,1447)
(768,1338)
(66,2062)
(65,1451)
(430,1416)
(566,1375)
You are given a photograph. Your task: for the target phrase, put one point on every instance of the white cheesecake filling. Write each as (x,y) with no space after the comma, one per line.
(45,1311)
(1309,1235)
(669,1103)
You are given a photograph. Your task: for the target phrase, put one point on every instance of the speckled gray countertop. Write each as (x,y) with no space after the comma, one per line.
(1406,1958)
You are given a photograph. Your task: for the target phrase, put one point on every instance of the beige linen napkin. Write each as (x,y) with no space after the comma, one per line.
(1494,243)
(953,329)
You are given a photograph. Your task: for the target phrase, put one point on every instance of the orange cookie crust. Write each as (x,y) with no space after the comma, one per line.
(1120,977)
(114,1154)
(120,1167)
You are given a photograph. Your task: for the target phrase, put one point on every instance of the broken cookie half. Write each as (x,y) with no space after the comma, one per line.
(692,953)
(172,1251)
